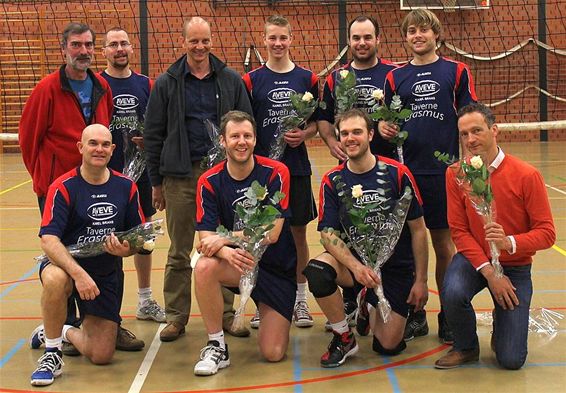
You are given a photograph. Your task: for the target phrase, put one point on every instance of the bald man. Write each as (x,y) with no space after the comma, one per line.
(87,204)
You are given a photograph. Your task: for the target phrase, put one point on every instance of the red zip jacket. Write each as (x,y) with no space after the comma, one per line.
(52,123)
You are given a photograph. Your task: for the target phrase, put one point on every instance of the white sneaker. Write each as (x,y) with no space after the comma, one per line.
(254,322)
(212,359)
(301,315)
(151,310)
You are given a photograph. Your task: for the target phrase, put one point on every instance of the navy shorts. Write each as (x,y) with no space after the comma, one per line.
(301,201)
(144,188)
(275,291)
(433,192)
(397,283)
(107,304)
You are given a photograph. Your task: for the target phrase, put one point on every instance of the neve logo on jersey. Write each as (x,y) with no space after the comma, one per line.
(425,88)
(369,196)
(364,93)
(102,211)
(280,96)
(126,101)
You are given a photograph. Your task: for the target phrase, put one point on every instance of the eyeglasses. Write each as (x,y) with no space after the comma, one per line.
(115,45)
(78,44)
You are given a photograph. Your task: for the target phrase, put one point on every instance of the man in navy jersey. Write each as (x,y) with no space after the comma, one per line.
(87,204)
(404,275)
(130,92)
(434,88)
(270,88)
(363,39)
(221,264)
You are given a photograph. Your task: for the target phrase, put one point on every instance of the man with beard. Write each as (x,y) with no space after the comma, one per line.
(58,109)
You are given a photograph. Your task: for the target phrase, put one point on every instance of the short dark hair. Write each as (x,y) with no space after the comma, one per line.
(363,18)
(352,113)
(75,28)
(278,20)
(236,117)
(421,17)
(482,109)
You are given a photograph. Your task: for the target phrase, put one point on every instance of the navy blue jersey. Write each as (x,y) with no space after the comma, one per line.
(218,193)
(332,213)
(367,81)
(130,96)
(269,93)
(434,92)
(78,212)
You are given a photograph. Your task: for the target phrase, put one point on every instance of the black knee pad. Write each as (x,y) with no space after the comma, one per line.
(143,251)
(321,277)
(377,347)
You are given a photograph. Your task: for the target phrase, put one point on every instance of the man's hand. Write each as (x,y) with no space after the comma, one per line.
(503,291)
(295,137)
(387,130)
(86,287)
(138,140)
(418,295)
(366,276)
(336,149)
(113,246)
(211,244)
(494,233)
(157,197)
(240,259)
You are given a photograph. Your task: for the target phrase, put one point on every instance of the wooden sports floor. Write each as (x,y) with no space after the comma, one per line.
(168,367)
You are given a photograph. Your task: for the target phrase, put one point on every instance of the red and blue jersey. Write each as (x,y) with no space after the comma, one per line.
(434,93)
(384,184)
(270,94)
(78,212)
(367,81)
(217,196)
(130,96)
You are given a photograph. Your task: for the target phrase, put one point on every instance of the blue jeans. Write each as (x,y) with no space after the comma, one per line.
(510,327)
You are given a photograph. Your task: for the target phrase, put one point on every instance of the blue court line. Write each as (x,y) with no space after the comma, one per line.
(12,352)
(391,375)
(15,285)
(297,371)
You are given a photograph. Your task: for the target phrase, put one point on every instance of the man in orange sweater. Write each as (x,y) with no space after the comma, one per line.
(524,225)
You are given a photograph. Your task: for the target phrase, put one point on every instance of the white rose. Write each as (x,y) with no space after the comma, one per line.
(149,245)
(377,94)
(307,97)
(357,191)
(344,73)
(476,162)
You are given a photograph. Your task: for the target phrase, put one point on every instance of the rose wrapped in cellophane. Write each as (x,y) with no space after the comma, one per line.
(254,219)
(345,93)
(373,237)
(395,114)
(139,237)
(300,109)
(473,177)
(217,152)
(134,155)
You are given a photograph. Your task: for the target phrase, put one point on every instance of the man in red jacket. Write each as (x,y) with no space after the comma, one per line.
(61,105)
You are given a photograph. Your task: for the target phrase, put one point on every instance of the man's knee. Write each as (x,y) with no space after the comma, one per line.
(389,351)
(510,361)
(101,356)
(53,278)
(321,277)
(273,353)
(205,268)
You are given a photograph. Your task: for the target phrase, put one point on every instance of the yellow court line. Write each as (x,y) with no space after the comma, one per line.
(560,250)
(14,187)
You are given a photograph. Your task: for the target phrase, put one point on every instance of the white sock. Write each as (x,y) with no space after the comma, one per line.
(219,337)
(340,327)
(301,292)
(65,330)
(144,295)
(54,343)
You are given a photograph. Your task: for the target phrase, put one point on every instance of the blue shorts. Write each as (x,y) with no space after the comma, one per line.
(276,291)
(301,201)
(107,304)
(144,188)
(433,192)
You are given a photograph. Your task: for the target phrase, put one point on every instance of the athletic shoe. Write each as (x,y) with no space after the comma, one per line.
(212,359)
(69,349)
(50,366)
(127,341)
(350,310)
(254,322)
(362,319)
(151,310)
(37,338)
(416,326)
(301,315)
(340,348)
(444,333)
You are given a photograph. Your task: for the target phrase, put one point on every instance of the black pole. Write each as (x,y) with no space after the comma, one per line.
(342,29)
(144,40)
(542,68)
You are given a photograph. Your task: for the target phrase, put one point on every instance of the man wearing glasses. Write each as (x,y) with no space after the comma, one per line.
(61,105)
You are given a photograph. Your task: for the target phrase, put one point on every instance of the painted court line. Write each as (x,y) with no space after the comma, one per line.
(15,285)
(141,375)
(14,187)
(555,189)
(12,352)
(297,372)
(560,250)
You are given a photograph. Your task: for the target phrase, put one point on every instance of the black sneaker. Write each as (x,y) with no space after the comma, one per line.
(416,326)
(362,319)
(444,333)
(350,310)
(340,348)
